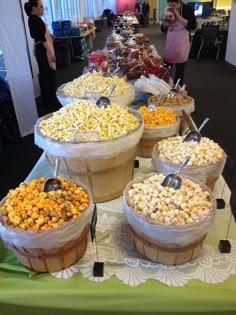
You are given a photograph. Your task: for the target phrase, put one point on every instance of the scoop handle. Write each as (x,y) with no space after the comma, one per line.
(177,83)
(203,124)
(185,161)
(165,73)
(159,98)
(56,167)
(112,89)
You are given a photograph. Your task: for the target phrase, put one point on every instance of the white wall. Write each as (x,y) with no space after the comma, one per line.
(14,47)
(110,4)
(231,43)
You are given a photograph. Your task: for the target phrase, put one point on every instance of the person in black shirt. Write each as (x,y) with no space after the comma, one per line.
(44,53)
(137,10)
(178,21)
(145,11)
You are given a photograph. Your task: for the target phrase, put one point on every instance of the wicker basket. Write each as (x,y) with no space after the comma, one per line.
(207,174)
(51,260)
(52,249)
(189,108)
(105,167)
(151,136)
(124,99)
(165,253)
(106,178)
(167,244)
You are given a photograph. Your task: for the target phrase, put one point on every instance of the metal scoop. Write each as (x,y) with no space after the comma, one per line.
(165,73)
(173,92)
(153,106)
(53,183)
(194,135)
(104,101)
(174,180)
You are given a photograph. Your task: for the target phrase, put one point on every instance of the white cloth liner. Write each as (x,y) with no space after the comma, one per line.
(124,99)
(161,131)
(180,235)
(90,150)
(50,238)
(201,173)
(189,108)
(152,85)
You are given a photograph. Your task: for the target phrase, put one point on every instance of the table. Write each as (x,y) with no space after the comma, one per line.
(131,19)
(212,19)
(24,292)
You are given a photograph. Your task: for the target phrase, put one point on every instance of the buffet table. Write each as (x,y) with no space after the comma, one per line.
(131,284)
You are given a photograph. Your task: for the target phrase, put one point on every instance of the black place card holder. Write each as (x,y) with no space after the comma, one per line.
(220,203)
(136,164)
(98,267)
(93,223)
(232,203)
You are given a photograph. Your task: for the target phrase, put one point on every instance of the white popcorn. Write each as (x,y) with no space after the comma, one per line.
(174,150)
(187,205)
(95,82)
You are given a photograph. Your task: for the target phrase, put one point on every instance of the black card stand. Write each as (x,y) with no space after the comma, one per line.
(98,267)
(136,164)
(224,245)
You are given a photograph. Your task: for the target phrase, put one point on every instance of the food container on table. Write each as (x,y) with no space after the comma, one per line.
(104,165)
(92,85)
(165,124)
(163,226)
(207,158)
(36,245)
(177,104)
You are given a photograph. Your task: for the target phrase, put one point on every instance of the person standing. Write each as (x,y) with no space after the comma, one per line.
(137,10)
(44,53)
(178,21)
(145,9)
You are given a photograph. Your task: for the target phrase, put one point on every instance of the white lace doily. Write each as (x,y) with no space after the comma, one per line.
(113,240)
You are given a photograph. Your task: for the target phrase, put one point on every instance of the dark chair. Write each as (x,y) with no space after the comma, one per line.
(210,40)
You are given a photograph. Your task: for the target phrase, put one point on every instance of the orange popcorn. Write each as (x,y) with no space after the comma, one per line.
(28,207)
(158,117)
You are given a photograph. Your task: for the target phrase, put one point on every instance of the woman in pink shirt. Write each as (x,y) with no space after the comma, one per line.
(178,21)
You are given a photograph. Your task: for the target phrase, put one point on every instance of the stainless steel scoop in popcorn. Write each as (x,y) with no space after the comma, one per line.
(174,180)
(152,106)
(104,101)
(173,92)
(195,135)
(53,183)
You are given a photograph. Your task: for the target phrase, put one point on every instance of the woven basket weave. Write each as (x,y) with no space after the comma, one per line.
(51,260)
(164,253)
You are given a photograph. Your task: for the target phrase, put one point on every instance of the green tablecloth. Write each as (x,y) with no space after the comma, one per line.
(25,292)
